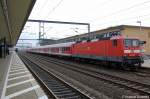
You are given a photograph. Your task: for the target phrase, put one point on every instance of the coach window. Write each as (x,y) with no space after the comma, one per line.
(114,42)
(68,48)
(65,48)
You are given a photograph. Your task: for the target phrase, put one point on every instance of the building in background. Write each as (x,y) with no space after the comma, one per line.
(140,32)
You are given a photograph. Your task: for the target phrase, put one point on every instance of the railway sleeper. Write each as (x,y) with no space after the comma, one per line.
(66,95)
(64,91)
(49,81)
(127,83)
(74,97)
(123,82)
(54,83)
(137,87)
(145,89)
(57,87)
(131,85)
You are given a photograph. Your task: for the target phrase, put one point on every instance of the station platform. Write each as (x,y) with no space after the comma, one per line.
(16,80)
(146,63)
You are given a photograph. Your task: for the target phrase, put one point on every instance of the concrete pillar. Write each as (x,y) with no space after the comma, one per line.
(3,48)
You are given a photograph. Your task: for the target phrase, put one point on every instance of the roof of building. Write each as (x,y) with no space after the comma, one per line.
(119,27)
(122,27)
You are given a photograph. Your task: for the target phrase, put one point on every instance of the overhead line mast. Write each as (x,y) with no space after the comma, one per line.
(62,22)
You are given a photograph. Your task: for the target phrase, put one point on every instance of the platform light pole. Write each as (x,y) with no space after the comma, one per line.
(140,24)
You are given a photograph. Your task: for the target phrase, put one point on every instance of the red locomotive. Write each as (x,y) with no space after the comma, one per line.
(114,49)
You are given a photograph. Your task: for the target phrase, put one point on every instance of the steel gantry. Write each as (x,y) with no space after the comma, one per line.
(41,26)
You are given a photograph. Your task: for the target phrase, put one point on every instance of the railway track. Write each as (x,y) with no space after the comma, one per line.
(145,70)
(137,87)
(143,73)
(58,88)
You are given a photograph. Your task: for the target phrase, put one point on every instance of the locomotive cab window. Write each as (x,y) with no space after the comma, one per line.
(131,42)
(114,43)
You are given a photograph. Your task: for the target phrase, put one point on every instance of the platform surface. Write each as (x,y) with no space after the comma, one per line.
(4,64)
(146,63)
(19,82)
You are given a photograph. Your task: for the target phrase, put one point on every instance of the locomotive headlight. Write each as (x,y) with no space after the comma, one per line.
(127,51)
(136,51)
(142,51)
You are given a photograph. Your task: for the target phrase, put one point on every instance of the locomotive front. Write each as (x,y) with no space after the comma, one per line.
(133,52)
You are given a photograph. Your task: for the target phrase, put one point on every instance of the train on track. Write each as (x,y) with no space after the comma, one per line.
(116,49)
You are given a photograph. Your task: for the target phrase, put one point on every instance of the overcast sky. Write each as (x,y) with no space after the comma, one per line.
(99,13)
